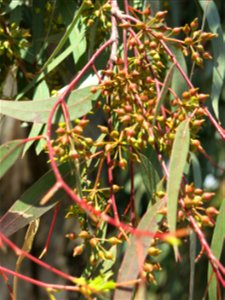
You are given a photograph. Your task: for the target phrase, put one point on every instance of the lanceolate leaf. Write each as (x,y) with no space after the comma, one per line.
(164,91)
(9,152)
(178,84)
(41,92)
(67,34)
(149,175)
(137,251)
(79,103)
(196,170)
(177,163)
(217,246)
(213,19)
(48,68)
(28,207)
(27,246)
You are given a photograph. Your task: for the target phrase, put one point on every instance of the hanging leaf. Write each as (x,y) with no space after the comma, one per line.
(214,23)
(28,207)
(192,249)
(54,61)
(179,85)
(196,170)
(137,250)
(27,246)
(67,33)
(48,68)
(38,28)
(149,175)
(177,164)
(79,103)
(216,247)
(9,152)
(41,92)
(164,91)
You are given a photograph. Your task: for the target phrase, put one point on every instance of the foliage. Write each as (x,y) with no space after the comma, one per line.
(112,91)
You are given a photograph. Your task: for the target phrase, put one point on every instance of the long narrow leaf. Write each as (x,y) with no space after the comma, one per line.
(192,265)
(177,163)
(28,207)
(164,91)
(149,175)
(133,259)
(79,103)
(27,246)
(196,170)
(66,35)
(213,19)
(51,66)
(179,85)
(9,152)
(216,247)
(41,92)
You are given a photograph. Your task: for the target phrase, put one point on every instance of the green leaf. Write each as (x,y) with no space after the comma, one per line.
(79,103)
(41,143)
(214,23)
(107,264)
(38,27)
(77,36)
(52,62)
(9,152)
(177,164)
(41,92)
(163,92)
(216,247)
(149,175)
(28,207)
(179,85)
(192,248)
(48,68)
(196,170)
(133,259)
(27,246)
(66,35)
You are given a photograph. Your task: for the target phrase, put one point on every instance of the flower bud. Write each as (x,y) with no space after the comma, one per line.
(84,234)
(78,250)
(114,241)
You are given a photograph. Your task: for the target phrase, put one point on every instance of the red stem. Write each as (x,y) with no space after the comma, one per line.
(40,283)
(132,193)
(56,210)
(19,251)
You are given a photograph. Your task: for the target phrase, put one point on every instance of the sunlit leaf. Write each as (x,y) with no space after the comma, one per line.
(177,164)
(179,85)
(79,103)
(9,152)
(41,92)
(28,207)
(137,250)
(54,61)
(48,68)
(213,19)
(27,246)
(216,247)
(66,34)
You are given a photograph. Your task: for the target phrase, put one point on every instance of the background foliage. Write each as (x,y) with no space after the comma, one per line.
(43,45)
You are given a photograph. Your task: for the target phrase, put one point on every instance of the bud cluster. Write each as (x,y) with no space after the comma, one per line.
(72,144)
(99,247)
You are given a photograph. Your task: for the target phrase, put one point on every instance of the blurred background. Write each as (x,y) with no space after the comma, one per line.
(35,29)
